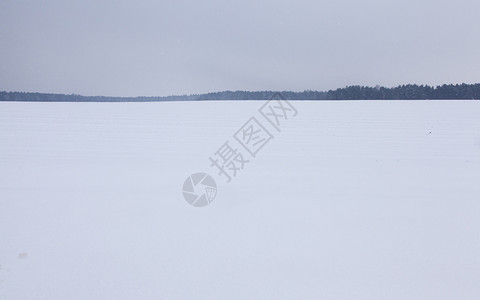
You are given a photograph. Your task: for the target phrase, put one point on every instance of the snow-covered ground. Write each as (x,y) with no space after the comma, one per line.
(351,200)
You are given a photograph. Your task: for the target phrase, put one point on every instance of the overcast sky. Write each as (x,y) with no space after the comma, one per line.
(131,48)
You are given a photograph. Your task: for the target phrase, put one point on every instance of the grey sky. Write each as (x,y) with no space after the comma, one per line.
(129,48)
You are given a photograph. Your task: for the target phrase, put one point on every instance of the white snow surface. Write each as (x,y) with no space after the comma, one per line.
(351,200)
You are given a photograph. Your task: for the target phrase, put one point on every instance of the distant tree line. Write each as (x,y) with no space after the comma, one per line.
(356,92)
